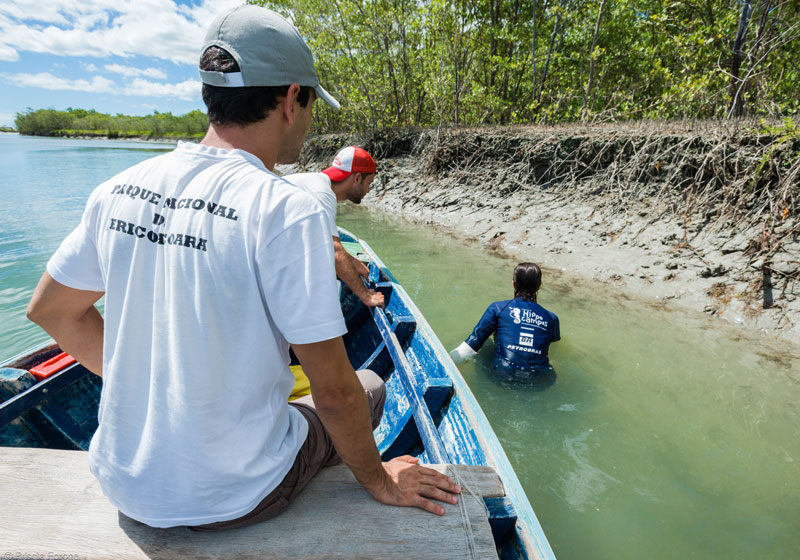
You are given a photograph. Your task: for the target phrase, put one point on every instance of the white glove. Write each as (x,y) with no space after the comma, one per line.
(463,352)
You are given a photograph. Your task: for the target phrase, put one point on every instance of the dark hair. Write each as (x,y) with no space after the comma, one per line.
(240,105)
(527,281)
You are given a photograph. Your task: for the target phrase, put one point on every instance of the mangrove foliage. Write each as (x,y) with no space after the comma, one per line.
(472,62)
(82,122)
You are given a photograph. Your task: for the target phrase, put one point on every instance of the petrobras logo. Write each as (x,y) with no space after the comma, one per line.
(525,339)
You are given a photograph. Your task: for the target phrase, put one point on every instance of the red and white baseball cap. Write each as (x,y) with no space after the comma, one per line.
(348,161)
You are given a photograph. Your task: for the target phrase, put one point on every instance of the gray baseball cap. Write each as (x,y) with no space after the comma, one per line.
(268,49)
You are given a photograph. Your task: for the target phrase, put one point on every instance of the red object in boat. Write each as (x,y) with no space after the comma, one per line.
(51,366)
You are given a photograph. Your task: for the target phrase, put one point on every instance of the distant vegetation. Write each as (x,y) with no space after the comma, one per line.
(82,122)
(7,129)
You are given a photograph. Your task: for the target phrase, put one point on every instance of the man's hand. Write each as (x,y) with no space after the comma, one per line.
(361,268)
(372,299)
(342,406)
(351,270)
(410,484)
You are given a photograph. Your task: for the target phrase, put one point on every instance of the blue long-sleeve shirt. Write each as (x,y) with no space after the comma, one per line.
(523,333)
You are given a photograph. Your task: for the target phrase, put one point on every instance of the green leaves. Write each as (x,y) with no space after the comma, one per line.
(82,122)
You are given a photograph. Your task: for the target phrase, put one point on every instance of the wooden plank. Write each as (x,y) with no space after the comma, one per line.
(52,505)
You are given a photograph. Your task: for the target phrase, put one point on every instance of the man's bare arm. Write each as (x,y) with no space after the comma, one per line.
(342,406)
(351,276)
(70,317)
(360,267)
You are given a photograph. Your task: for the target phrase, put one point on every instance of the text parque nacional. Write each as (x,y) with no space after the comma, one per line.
(172,203)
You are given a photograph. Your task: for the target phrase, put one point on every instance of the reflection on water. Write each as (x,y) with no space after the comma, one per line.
(44,184)
(663,435)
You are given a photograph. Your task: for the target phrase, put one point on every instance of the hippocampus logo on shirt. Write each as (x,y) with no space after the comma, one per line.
(526,316)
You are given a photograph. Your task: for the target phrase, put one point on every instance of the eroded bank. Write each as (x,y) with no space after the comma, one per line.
(697,216)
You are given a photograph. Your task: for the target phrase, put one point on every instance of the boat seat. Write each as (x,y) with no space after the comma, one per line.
(52,506)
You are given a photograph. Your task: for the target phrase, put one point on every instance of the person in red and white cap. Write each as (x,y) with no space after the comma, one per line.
(348,178)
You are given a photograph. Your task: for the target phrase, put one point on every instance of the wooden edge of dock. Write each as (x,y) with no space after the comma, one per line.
(52,505)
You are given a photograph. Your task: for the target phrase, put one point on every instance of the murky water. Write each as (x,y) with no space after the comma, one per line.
(664,435)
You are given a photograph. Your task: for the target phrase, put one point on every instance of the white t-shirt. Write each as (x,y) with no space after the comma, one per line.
(210,265)
(318,185)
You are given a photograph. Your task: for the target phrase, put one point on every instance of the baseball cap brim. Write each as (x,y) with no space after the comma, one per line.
(336,174)
(326,97)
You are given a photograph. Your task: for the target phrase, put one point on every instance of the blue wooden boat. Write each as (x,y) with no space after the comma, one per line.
(430,411)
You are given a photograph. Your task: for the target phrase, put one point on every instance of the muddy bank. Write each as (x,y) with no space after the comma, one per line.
(692,215)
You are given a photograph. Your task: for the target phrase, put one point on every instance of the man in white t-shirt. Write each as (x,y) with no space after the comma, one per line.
(210,266)
(348,178)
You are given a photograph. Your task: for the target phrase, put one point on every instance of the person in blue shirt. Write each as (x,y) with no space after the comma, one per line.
(522,328)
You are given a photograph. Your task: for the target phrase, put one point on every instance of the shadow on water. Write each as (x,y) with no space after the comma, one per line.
(518,380)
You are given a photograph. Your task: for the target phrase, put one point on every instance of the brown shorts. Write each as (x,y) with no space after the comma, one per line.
(316,453)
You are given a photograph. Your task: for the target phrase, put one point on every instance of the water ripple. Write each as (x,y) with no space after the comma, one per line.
(583,485)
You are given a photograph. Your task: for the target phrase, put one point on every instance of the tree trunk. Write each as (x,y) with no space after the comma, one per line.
(550,50)
(373,114)
(759,45)
(737,86)
(493,9)
(504,87)
(533,48)
(587,97)
(456,55)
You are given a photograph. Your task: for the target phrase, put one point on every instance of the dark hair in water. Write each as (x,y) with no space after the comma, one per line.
(240,105)
(527,281)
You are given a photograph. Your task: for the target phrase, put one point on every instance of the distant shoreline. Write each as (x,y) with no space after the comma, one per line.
(154,139)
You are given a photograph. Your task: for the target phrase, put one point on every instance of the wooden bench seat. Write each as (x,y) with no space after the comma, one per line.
(51,505)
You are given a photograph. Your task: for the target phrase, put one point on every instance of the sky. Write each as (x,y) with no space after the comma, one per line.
(115,56)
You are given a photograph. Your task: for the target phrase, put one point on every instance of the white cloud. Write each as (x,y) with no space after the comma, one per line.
(89,67)
(45,80)
(131,72)
(188,89)
(100,28)
(7,53)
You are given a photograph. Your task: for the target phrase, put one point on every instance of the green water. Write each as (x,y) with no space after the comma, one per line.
(665,435)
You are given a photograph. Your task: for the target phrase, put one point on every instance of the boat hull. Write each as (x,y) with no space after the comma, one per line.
(430,411)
